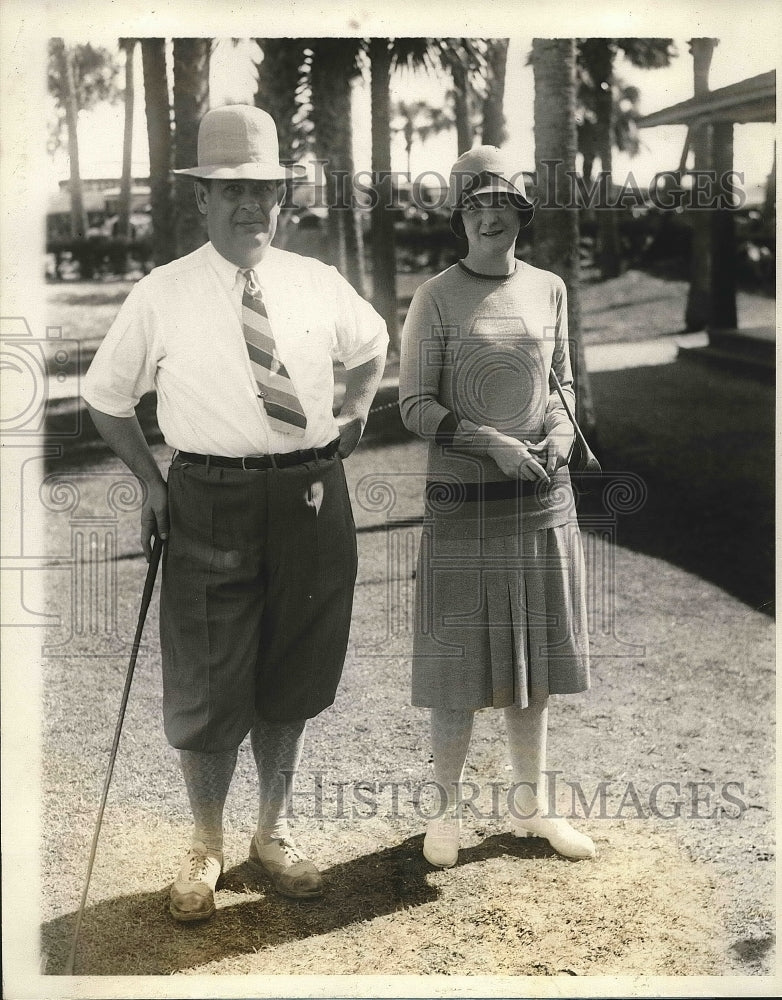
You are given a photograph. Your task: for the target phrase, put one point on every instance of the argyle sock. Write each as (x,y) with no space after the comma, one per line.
(527,730)
(451,730)
(277,748)
(208,777)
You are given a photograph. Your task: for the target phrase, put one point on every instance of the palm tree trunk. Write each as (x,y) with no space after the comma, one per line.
(494,133)
(381,220)
(158,114)
(333,63)
(696,314)
(123,223)
(609,251)
(461,107)
(556,230)
(722,311)
(78,212)
(191,102)
(278,80)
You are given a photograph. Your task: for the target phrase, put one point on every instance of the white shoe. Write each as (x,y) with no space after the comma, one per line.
(290,872)
(192,892)
(559,833)
(441,843)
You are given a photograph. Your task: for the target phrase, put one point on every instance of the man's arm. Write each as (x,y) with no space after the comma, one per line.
(362,383)
(126,439)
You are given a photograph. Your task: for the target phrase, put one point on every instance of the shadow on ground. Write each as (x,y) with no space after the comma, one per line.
(701,442)
(135,935)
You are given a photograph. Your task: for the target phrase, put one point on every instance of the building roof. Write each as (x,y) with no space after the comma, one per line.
(751,100)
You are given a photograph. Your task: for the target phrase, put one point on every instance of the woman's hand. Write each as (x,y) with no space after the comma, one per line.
(516,458)
(552,452)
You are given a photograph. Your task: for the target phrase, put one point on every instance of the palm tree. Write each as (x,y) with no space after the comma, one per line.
(333,64)
(158,115)
(625,114)
(419,120)
(381,220)
(596,58)
(494,133)
(191,102)
(386,55)
(465,60)
(78,77)
(78,212)
(556,230)
(280,81)
(128,45)
(697,310)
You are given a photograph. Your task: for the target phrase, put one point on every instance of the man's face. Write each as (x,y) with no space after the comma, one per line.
(241,217)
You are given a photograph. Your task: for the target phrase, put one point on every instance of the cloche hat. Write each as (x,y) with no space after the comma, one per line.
(479,171)
(239,142)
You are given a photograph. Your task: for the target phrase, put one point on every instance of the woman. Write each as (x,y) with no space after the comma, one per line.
(500,610)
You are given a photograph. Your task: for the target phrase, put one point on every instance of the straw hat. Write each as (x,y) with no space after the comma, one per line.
(482,170)
(239,142)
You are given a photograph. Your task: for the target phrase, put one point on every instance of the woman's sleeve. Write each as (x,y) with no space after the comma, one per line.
(556,417)
(420,365)
(420,369)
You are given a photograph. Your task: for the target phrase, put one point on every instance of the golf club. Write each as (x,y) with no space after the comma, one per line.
(591,464)
(149,585)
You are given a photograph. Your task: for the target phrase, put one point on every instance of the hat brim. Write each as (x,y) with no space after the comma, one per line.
(245,172)
(501,186)
(522,206)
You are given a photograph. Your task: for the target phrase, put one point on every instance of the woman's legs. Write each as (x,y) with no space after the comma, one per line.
(451,730)
(527,730)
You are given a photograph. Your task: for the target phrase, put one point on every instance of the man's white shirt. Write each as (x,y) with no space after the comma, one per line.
(180,332)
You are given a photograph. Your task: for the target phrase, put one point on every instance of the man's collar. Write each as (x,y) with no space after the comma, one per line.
(227,271)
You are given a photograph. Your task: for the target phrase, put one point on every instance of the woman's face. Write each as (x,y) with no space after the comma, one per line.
(491,223)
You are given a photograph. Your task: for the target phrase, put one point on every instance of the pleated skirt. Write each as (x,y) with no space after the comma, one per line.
(499,618)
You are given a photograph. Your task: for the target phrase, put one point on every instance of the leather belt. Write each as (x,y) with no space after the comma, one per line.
(260,462)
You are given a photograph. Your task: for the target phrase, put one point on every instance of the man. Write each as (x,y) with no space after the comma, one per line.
(238,339)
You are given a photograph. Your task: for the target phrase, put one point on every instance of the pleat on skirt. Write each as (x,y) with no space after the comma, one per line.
(499,618)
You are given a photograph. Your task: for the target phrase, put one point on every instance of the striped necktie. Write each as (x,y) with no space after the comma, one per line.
(275,388)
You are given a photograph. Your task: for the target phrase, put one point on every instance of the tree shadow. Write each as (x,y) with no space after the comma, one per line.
(135,935)
(697,443)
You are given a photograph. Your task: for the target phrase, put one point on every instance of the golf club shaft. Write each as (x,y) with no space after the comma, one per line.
(149,585)
(591,461)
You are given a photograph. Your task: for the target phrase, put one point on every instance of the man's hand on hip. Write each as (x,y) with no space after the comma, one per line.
(154,515)
(350,431)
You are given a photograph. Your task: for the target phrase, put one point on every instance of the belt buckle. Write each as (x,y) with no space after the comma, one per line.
(244,467)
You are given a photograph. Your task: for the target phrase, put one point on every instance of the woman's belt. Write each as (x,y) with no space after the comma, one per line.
(442,493)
